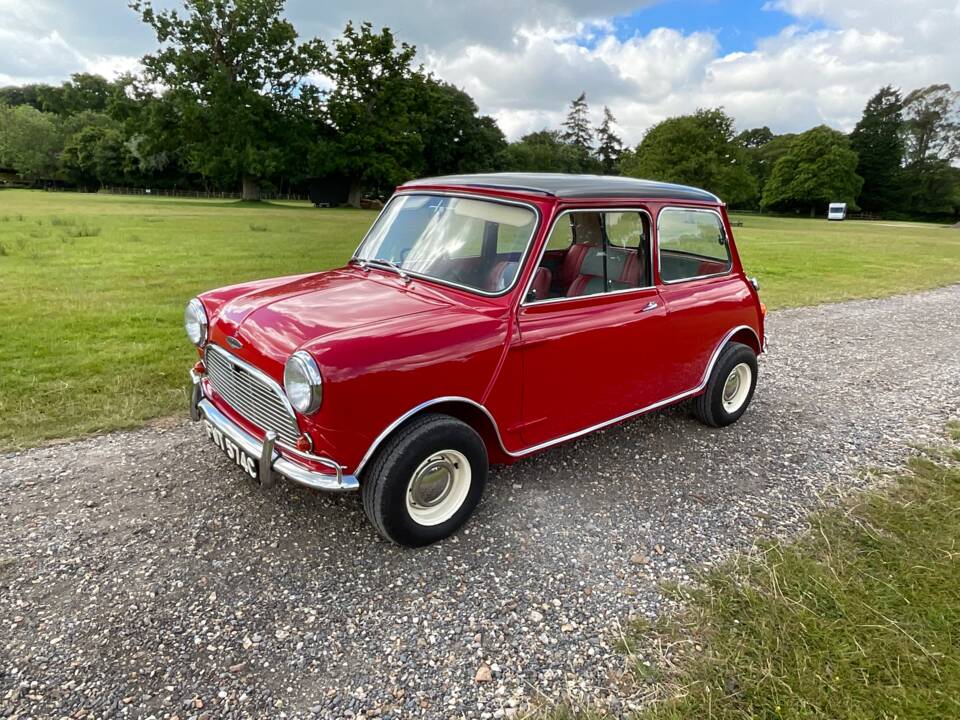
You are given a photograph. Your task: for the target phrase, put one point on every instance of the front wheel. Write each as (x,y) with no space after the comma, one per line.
(730,387)
(426,480)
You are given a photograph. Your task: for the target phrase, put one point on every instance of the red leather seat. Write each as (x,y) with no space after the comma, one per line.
(572,262)
(540,287)
(631,270)
(501,275)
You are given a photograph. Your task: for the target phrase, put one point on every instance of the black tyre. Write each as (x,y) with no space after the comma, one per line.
(425,481)
(730,387)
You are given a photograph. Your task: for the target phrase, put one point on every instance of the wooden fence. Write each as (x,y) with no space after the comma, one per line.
(206,194)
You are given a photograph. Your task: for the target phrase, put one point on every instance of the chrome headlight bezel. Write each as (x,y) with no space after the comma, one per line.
(302,383)
(195,322)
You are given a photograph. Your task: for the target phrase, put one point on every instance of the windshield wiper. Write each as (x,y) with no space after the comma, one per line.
(389,263)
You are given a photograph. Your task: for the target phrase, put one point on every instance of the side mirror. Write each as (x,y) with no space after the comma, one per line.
(531,296)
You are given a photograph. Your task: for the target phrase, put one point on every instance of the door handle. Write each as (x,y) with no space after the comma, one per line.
(649,306)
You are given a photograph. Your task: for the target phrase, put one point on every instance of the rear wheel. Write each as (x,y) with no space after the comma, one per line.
(425,481)
(730,387)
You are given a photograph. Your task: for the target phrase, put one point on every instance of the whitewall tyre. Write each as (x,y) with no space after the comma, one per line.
(426,480)
(730,387)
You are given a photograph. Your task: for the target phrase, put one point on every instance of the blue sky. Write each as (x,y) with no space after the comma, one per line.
(787,64)
(737,24)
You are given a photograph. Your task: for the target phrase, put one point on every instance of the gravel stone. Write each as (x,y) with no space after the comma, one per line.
(142,576)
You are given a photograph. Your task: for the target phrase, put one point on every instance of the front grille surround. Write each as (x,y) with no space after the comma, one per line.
(251,394)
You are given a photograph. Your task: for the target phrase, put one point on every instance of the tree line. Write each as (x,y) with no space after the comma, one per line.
(234,98)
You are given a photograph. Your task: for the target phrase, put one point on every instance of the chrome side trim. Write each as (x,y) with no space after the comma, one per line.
(571,436)
(605,293)
(467,196)
(336,482)
(728,271)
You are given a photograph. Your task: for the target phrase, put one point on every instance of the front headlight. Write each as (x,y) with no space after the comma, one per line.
(302,383)
(195,322)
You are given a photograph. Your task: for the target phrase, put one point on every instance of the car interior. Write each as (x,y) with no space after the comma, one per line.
(588,252)
(594,252)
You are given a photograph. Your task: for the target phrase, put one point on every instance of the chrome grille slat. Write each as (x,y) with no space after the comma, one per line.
(252,397)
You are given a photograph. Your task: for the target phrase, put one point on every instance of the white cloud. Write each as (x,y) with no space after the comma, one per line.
(524,62)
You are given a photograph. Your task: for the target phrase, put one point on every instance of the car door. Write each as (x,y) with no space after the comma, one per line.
(591,346)
(703,297)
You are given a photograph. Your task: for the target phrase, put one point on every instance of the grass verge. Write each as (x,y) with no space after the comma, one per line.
(860,618)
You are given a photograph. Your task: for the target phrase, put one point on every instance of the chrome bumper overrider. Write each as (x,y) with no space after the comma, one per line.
(269,458)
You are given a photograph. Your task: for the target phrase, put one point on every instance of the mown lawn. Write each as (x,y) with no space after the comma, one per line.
(806,262)
(92,289)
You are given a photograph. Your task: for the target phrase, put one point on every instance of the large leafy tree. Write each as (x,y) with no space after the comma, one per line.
(609,144)
(818,168)
(931,132)
(30,142)
(762,149)
(455,137)
(576,126)
(96,155)
(235,71)
(696,149)
(368,130)
(543,151)
(878,141)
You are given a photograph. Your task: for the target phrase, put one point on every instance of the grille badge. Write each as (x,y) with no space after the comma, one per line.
(233,342)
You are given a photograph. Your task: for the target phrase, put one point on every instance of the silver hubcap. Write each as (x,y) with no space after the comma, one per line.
(737,387)
(438,487)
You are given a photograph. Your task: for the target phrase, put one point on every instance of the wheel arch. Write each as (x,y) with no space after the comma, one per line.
(465,410)
(746,336)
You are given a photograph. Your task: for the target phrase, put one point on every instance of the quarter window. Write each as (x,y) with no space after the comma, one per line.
(692,243)
(590,252)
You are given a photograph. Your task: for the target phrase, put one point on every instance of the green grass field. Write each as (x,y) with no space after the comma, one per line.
(92,289)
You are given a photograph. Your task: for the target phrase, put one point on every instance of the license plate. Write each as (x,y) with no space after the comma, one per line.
(231,450)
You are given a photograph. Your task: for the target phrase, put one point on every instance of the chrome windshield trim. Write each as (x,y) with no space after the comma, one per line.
(728,271)
(570,436)
(538,218)
(543,251)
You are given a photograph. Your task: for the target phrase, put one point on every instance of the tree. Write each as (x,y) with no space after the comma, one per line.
(932,143)
(14,95)
(878,141)
(455,137)
(234,70)
(95,155)
(543,151)
(762,149)
(609,144)
(696,150)
(819,168)
(30,142)
(755,138)
(577,130)
(366,133)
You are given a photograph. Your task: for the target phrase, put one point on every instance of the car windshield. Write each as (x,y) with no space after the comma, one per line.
(478,244)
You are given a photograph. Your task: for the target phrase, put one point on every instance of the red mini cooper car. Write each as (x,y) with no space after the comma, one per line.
(482,319)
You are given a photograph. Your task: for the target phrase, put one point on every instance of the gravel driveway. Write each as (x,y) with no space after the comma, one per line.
(142,576)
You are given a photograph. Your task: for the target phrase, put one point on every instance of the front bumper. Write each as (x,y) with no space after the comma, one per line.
(270,459)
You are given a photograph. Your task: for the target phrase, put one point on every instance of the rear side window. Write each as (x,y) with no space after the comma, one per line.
(692,243)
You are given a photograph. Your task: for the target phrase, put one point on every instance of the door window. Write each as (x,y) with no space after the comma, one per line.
(592,252)
(692,244)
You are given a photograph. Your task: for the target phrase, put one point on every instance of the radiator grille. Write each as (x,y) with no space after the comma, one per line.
(258,400)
